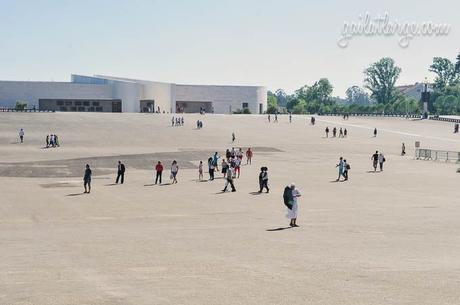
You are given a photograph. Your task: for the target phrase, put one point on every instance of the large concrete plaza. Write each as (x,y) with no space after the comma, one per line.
(379,238)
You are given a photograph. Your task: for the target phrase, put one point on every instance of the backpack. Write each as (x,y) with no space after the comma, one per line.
(287,197)
(348,166)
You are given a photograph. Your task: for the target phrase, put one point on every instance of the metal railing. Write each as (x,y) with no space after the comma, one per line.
(444,119)
(23,110)
(437,155)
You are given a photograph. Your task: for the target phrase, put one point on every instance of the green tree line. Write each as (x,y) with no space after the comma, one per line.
(378,94)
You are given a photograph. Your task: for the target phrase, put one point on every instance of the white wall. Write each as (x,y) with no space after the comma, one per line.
(160,92)
(31,92)
(130,93)
(224,97)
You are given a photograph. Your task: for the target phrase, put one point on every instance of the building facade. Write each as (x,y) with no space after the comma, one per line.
(114,94)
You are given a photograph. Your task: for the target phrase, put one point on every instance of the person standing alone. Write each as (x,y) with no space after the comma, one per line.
(21,135)
(263,176)
(120,172)
(87,179)
(294,210)
(159,172)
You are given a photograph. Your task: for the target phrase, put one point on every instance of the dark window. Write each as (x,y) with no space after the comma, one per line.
(62,108)
(77,103)
(91,109)
(68,103)
(99,109)
(82,109)
(73,108)
(86,103)
(60,103)
(95,103)
(245,105)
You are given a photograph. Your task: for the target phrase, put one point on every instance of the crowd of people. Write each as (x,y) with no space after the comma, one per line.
(177,121)
(230,165)
(343,132)
(52,141)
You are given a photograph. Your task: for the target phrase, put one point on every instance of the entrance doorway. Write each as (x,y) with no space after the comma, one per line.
(147,106)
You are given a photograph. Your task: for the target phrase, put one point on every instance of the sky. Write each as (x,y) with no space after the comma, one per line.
(278,44)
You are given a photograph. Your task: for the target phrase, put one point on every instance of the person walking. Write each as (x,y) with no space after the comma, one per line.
(263,176)
(327,132)
(200,171)
(120,172)
(56,140)
(276,118)
(21,135)
(375,160)
(341,133)
(224,168)
(229,180)
(233,137)
(47,141)
(345,133)
(159,172)
(375,132)
(293,212)
(87,179)
(334,132)
(237,167)
(290,117)
(381,160)
(346,168)
(341,167)
(268,118)
(174,171)
(215,160)
(211,168)
(403,149)
(249,156)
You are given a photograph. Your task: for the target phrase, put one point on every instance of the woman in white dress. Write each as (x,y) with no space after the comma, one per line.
(293,212)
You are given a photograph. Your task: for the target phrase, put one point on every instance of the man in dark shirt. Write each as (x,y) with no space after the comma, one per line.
(120,172)
(159,170)
(375,160)
(87,179)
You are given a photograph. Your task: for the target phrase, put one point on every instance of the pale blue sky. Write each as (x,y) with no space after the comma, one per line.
(279,44)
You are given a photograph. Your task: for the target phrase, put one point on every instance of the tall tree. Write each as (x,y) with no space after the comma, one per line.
(281,97)
(356,95)
(380,79)
(446,72)
(457,64)
(272,103)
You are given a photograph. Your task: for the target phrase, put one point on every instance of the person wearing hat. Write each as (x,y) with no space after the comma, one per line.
(293,212)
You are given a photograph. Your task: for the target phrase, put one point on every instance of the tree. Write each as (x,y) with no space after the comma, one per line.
(380,79)
(20,105)
(299,107)
(281,97)
(356,95)
(457,64)
(446,72)
(272,103)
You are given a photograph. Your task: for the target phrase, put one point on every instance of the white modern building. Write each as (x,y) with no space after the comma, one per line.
(114,94)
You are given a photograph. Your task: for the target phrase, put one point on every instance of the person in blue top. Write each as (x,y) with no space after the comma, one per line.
(341,167)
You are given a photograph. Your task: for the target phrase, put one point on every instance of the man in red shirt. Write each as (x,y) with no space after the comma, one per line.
(159,169)
(249,156)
